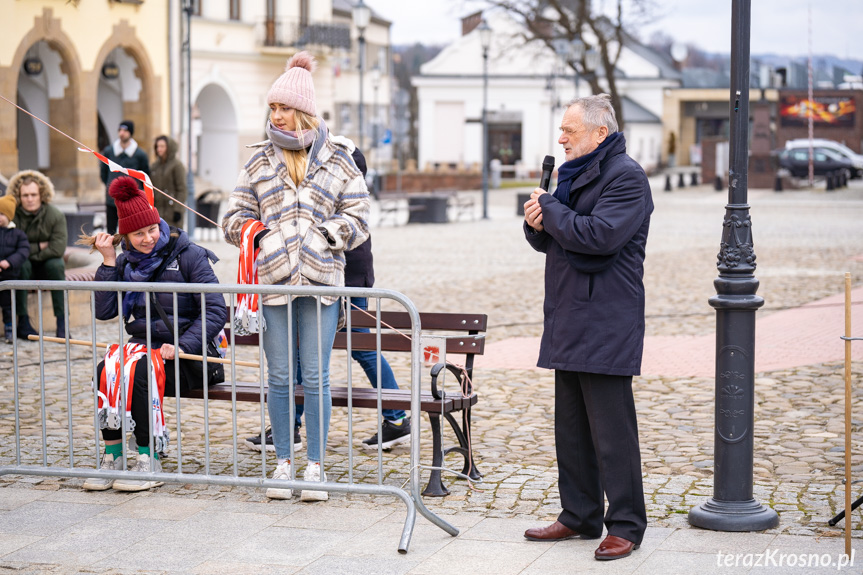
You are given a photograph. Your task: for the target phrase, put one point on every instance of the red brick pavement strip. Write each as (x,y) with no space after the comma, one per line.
(806,335)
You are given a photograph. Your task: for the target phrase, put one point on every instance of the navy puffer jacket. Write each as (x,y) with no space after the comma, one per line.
(189,263)
(15,249)
(594,265)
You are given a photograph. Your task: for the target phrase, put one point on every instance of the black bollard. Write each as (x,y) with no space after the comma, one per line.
(681,182)
(717,184)
(830,184)
(777,184)
(693,180)
(843,179)
(667,183)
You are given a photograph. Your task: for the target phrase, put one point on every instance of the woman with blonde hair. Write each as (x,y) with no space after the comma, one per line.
(303,186)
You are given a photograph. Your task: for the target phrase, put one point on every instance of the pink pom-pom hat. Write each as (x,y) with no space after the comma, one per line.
(295,88)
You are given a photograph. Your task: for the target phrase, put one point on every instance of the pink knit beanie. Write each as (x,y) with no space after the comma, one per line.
(294,88)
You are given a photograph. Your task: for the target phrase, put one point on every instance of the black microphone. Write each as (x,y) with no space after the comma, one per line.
(547,169)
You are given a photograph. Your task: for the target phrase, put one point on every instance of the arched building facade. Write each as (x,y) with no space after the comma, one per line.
(83,69)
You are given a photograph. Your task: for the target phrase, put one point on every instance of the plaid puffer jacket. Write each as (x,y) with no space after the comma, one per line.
(332,198)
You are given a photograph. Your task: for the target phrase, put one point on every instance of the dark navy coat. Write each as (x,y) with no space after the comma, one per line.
(594,294)
(189,263)
(15,249)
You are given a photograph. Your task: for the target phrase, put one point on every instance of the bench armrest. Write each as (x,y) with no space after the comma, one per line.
(458,372)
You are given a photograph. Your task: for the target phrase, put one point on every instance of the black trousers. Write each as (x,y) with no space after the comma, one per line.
(596,435)
(111,218)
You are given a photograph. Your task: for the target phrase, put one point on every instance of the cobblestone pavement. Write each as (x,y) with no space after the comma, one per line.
(804,241)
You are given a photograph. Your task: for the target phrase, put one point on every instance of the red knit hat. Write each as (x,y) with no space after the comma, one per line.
(133,210)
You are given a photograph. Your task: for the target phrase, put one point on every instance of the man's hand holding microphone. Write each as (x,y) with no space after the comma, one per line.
(532,209)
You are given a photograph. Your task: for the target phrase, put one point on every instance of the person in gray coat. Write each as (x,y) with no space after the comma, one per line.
(593,232)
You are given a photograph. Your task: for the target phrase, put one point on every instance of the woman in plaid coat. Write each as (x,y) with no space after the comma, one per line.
(305,188)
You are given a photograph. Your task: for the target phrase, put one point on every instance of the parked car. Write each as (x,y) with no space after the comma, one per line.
(841,149)
(796,161)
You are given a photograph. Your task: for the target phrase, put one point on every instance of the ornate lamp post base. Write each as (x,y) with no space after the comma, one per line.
(733,516)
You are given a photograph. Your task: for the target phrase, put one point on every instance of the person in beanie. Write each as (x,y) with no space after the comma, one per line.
(153,251)
(45,228)
(14,251)
(168,174)
(125,152)
(305,188)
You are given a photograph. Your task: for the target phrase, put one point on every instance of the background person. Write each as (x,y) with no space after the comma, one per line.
(152,251)
(14,251)
(45,228)
(593,232)
(302,184)
(125,152)
(168,174)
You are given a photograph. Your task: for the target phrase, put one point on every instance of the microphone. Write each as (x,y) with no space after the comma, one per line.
(547,169)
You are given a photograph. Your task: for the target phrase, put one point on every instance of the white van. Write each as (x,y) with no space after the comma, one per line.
(841,149)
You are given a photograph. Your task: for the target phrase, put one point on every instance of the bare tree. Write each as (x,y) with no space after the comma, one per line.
(602,30)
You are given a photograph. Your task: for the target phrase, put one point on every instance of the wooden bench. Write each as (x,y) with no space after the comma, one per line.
(468,341)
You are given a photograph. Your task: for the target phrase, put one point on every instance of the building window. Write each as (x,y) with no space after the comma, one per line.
(235,9)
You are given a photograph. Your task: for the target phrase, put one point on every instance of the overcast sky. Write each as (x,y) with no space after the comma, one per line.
(778,26)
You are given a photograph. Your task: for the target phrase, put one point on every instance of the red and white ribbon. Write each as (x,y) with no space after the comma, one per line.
(138,175)
(247,320)
(113,376)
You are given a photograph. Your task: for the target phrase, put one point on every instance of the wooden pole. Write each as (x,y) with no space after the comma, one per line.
(181,355)
(848,414)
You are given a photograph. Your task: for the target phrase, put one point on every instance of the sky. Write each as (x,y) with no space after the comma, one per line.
(778,26)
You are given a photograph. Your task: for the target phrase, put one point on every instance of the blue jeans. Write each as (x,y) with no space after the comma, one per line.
(280,340)
(368,361)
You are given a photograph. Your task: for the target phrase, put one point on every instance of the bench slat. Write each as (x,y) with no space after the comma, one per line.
(362,397)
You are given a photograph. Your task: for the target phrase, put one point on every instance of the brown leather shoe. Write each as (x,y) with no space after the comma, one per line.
(613,547)
(557,531)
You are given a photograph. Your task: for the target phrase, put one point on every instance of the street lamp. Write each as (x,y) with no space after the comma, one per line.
(485,40)
(733,506)
(361,16)
(376,82)
(571,53)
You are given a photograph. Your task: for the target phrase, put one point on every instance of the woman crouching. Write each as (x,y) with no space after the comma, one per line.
(151,252)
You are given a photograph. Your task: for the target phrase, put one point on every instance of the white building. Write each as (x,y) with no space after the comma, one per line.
(525,99)
(240,47)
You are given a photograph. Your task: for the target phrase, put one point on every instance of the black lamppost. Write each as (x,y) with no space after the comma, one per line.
(485,41)
(188,8)
(361,16)
(733,507)
(376,136)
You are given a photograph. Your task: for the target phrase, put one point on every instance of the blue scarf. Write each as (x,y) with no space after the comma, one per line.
(570,170)
(141,267)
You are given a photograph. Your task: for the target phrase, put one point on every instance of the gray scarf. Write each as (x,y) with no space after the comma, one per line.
(299,140)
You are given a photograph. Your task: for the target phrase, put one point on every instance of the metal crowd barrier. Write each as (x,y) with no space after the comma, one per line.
(410,495)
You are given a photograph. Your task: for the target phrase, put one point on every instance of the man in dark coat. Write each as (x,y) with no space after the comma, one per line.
(593,230)
(125,152)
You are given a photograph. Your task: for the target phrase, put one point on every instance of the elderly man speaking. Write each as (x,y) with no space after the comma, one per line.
(593,231)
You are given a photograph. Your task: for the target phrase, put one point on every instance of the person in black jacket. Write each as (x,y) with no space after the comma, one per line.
(593,232)
(125,152)
(14,251)
(154,252)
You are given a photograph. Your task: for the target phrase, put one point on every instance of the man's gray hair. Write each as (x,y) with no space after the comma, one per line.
(597,111)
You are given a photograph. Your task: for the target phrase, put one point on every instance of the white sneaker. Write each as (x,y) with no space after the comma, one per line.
(282,471)
(313,474)
(108,464)
(141,465)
